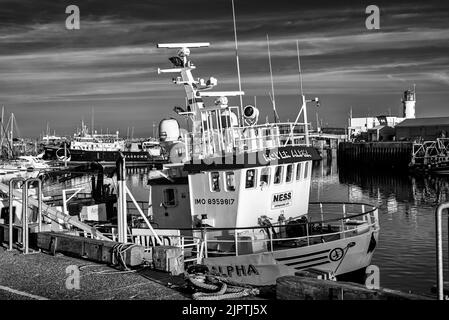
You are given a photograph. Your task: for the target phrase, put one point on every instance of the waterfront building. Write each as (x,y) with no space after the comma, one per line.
(361,125)
(423,129)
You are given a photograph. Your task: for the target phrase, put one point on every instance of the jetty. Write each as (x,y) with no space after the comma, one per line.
(388,155)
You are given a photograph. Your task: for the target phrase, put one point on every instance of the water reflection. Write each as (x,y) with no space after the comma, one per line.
(421,189)
(406,250)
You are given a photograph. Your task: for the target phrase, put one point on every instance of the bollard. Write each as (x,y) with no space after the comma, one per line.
(439,241)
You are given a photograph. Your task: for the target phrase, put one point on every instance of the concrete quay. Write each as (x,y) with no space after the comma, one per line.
(41,276)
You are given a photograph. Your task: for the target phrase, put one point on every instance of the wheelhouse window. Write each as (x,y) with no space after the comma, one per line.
(169,197)
(215,181)
(306,170)
(250,179)
(230,181)
(289,173)
(298,171)
(265,174)
(278,175)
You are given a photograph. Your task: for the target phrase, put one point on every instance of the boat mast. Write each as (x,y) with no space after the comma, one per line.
(273,100)
(303,98)
(11,135)
(237,60)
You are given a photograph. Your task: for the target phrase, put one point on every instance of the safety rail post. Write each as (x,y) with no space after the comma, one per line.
(307,233)
(205,242)
(199,252)
(11,205)
(236,243)
(343,228)
(343,221)
(322,213)
(439,240)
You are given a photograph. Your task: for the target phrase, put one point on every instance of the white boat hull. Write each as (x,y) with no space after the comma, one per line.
(265,268)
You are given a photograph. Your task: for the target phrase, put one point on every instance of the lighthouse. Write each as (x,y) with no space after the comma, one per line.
(408,102)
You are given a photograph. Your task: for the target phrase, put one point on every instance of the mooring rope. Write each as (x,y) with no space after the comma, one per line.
(221,287)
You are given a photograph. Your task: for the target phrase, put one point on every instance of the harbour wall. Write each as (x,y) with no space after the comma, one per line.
(392,155)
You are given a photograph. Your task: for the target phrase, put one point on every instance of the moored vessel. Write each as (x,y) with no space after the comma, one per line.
(103,148)
(238,192)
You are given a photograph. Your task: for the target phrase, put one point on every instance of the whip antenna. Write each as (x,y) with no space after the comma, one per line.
(273,100)
(237,56)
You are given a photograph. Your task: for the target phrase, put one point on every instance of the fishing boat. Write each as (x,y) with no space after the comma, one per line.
(99,147)
(239,191)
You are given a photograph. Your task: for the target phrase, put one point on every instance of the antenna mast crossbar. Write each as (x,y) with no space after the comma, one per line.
(183,45)
(222,93)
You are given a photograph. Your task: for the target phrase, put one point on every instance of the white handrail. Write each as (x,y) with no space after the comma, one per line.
(439,240)
(308,237)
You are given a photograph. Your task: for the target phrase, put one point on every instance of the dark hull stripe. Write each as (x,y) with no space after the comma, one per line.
(312,265)
(305,261)
(303,255)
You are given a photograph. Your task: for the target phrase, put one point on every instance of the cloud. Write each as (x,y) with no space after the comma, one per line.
(113,57)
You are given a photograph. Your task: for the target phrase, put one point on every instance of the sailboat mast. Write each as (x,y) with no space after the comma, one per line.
(237,58)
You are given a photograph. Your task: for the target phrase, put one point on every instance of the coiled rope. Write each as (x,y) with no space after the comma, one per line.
(211,286)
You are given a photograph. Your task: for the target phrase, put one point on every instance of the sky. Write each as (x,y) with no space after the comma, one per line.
(49,74)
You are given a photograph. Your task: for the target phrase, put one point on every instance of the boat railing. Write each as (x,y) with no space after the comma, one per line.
(327,222)
(216,142)
(269,238)
(192,247)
